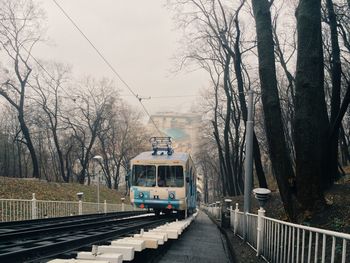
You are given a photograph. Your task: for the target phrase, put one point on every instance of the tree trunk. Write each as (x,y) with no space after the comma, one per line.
(68,168)
(257,162)
(25,132)
(221,160)
(60,156)
(237,59)
(231,188)
(20,166)
(311,121)
(332,163)
(238,70)
(219,147)
(117,174)
(280,158)
(344,147)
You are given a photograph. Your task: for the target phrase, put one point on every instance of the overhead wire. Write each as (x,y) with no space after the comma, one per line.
(163,97)
(173,96)
(107,63)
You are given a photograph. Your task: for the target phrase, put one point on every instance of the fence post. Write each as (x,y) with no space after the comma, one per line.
(235,222)
(260,229)
(34,208)
(105,207)
(80,208)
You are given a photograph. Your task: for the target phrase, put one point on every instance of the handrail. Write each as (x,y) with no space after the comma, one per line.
(313,229)
(279,241)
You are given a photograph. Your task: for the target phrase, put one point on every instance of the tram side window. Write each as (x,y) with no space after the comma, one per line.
(144,175)
(170,176)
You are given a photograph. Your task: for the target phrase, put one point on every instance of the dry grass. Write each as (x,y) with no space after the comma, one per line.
(23,189)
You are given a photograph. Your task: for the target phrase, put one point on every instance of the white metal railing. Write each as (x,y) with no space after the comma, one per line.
(278,241)
(19,209)
(215,210)
(288,242)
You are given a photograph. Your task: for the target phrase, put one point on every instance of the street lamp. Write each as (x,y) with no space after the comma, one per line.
(248,166)
(99,159)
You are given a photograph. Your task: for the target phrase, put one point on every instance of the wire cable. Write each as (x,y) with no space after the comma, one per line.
(107,63)
(173,96)
(162,97)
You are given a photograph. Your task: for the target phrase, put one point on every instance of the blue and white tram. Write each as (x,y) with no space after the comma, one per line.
(163,180)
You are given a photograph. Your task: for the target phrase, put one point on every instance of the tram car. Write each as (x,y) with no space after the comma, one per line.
(163,180)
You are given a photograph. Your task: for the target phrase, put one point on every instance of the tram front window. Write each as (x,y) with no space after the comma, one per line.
(144,175)
(170,176)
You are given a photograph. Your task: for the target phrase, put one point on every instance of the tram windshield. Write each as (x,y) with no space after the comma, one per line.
(144,175)
(170,176)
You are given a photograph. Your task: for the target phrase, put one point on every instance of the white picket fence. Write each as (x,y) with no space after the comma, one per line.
(278,241)
(20,209)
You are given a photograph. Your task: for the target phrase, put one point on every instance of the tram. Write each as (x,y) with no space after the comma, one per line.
(163,180)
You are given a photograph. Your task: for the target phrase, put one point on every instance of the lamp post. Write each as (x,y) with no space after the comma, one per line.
(262,194)
(248,167)
(99,159)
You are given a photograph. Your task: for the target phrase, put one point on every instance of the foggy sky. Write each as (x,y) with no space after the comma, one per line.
(139,38)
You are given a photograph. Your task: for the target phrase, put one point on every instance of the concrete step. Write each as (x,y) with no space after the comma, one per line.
(127,252)
(138,245)
(72,260)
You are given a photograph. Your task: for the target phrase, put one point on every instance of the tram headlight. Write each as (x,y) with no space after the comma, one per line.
(141,195)
(171,196)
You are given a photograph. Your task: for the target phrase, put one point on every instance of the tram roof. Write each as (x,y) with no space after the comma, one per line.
(147,156)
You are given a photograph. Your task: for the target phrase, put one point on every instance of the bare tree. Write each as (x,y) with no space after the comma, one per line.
(311,120)
(216,47)
(280,158)
(49,95)
(335,72)
(20,30)
(92,106)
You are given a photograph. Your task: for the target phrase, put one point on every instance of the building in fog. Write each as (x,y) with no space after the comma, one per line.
(182,127)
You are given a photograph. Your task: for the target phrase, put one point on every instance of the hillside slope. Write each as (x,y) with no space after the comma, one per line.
(23,188)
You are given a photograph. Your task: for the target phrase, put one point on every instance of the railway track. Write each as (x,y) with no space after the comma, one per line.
(39,240)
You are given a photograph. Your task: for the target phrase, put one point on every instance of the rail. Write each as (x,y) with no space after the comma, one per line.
(35,241)
(278,241)
(21,209)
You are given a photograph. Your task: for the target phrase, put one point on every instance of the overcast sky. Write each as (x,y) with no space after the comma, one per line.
(139,38)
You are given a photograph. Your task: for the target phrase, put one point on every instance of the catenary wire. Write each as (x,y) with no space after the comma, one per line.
(107,63)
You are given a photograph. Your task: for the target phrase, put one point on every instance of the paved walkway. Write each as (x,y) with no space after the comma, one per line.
(201,242)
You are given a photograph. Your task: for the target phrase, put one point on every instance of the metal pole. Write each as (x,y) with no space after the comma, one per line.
(99,159)
(248,166)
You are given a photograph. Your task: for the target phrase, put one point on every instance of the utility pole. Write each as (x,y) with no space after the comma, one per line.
(248,165)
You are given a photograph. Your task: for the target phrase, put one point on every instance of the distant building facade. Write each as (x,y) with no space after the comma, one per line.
(182,127)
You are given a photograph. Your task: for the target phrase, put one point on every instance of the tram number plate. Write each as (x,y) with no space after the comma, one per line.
(156,197)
